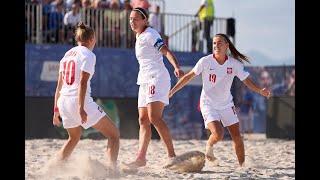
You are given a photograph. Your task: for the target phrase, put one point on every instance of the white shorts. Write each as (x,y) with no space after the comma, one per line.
(154,91)
(69,112)
(227,116)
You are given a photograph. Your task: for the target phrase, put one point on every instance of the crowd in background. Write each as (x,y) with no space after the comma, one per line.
(59,18)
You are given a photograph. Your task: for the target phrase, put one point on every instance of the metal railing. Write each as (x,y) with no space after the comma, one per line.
(181,32)
(184,32)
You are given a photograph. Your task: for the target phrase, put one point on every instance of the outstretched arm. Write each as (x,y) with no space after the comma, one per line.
(263,91)
(173,60)
(182,82)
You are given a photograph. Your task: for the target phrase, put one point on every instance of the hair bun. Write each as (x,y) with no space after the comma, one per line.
(81,25)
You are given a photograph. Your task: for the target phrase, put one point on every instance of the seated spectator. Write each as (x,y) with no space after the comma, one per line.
(71,19)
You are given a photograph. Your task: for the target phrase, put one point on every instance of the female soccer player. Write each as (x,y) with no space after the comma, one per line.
(216,102)
(154,81)
(73,101)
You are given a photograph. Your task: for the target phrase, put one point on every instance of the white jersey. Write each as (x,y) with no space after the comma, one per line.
(217,80)
(150,59)
(74,61)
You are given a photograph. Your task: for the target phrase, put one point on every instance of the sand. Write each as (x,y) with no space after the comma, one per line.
(265,159)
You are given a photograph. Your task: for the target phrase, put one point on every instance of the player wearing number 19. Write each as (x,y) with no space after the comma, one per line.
(73,101)
(216,102)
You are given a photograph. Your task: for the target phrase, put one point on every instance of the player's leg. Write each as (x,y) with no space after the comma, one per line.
(144,134)
(70,144)
(144,138)
(145,128)
(217,134)
(231,121)
(237,142)
(109,130)
(155,110)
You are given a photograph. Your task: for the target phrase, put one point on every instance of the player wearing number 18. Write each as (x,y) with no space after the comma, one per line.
(154,81)
(73,101)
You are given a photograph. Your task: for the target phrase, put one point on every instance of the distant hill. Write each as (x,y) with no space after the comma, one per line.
(259,59)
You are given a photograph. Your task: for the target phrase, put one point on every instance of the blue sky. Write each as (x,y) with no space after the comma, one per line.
(263,26)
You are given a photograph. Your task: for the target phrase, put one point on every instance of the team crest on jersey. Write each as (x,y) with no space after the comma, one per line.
(229,70)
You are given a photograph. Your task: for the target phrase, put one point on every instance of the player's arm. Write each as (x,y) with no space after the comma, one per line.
(173,60)
(252,86)
(84,77)
(182,82)
(56,113)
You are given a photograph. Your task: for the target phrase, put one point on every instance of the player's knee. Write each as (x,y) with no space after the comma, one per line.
(74,139)
(116,134)
(155,120)
(237,138)
(144,121)
(219,135)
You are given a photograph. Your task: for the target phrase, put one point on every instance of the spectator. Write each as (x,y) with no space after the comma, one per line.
(56,23)
(115,4)
(195,35)
(99,4)
(140,3)
(155,20)
(246,111)
(265,79)
(260,104)
(69,4)
(86,4)
(206,16)
(54,4)
(287,87)
(71,19)
(127,36)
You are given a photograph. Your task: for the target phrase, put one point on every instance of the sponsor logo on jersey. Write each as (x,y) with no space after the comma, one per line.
(229,70)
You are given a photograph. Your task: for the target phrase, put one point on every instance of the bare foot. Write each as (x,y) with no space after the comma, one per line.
(169,162)
(212,159)
(137,163)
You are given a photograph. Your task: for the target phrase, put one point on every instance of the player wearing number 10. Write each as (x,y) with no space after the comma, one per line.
(73,101)
(216,102)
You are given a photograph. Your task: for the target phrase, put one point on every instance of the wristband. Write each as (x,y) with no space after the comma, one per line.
(55,109)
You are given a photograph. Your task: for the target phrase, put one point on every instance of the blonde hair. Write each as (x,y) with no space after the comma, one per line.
(83,33)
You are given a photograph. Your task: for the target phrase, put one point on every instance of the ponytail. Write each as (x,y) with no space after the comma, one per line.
(234,52)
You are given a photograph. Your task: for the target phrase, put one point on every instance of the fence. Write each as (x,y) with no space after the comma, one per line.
(182,32)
